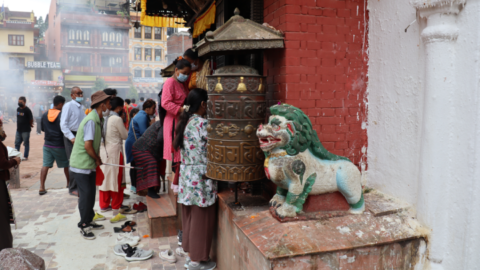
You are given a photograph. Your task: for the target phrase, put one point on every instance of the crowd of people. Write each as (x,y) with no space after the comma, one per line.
(95,144)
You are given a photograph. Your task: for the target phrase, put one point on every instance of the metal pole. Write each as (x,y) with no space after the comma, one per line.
(236,192)
(122,166)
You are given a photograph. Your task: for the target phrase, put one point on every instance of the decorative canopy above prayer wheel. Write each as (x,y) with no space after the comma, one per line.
(236,105)
(239,34)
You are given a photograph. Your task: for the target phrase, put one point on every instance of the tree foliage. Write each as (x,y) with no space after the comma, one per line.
(132,93)
(99,85)
(42,26)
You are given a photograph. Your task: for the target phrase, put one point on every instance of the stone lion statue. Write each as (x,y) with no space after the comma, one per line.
(299,165)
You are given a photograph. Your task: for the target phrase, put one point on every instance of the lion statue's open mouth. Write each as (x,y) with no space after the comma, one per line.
(299,165)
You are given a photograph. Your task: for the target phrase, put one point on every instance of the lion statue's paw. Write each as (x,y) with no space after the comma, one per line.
(277,200)
(286,210)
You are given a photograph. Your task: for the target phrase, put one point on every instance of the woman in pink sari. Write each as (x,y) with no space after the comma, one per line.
(173,96)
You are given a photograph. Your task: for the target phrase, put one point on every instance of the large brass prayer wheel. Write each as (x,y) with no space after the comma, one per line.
(236,107)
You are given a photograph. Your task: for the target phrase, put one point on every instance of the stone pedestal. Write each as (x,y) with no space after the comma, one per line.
(253,239)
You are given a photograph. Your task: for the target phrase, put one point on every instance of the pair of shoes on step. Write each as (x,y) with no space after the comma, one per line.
(132,253)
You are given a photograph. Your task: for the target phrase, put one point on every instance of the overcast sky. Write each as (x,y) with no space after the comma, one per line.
(39,7)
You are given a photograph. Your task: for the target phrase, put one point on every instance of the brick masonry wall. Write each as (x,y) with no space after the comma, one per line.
(174,46)
(323,68)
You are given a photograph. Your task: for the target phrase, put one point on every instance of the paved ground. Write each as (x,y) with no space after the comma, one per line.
(47,226)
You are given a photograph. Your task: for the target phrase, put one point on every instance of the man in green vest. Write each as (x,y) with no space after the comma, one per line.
(84,160)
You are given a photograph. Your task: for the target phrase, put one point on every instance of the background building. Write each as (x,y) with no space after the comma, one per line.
(90,42)
(148,50)
(177,43)
(18,36)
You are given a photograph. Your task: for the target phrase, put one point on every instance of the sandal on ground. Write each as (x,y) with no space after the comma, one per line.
(123,229)
(127,211)
(130,223)
(42,192)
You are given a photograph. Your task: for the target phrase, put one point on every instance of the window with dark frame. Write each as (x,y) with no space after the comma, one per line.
(79,60)
(138,53)
(138,32)
(111,61)
(16,63)
(78,36)
(148,73)
(148,54)
(45,75)
(158,33)
(137,73)
(148,32)
(16,40)
(158,54)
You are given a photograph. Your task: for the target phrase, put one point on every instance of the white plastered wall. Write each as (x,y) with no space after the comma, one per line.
(397,129)
(395,97)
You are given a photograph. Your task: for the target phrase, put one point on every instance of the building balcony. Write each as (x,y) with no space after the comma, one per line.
(98,69)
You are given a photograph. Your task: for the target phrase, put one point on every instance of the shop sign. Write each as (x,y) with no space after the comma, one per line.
(80,78)
(43,65)
(46,83)
(115,78)
(148,80)
(19,22)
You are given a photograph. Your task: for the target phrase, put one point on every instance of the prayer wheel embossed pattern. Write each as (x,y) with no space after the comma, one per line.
(236,107)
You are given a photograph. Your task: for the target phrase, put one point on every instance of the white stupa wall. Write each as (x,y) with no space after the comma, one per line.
(424,119)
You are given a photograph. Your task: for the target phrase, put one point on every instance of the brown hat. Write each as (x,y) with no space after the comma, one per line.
(99,97)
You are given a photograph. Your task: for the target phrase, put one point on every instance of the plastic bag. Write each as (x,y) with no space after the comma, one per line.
(12,152)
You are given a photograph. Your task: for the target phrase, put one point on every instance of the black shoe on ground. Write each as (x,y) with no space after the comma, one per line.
(152,193)
(179,237)
(96,226)
(126,207)
(86,232)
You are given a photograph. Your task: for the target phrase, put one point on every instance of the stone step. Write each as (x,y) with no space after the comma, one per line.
(163,218)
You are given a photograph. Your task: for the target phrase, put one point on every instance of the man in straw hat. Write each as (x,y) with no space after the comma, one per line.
(84,160)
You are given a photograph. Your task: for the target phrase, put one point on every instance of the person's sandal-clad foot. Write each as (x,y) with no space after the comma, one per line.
(86,232)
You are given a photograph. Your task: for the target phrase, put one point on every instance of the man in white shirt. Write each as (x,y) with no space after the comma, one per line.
(73,113)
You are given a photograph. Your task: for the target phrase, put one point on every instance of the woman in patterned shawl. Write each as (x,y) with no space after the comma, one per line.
(6,208)
(196,194)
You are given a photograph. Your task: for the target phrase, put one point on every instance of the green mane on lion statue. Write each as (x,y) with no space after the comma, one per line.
(299,165)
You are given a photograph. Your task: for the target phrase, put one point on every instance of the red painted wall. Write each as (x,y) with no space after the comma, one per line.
(323,68)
